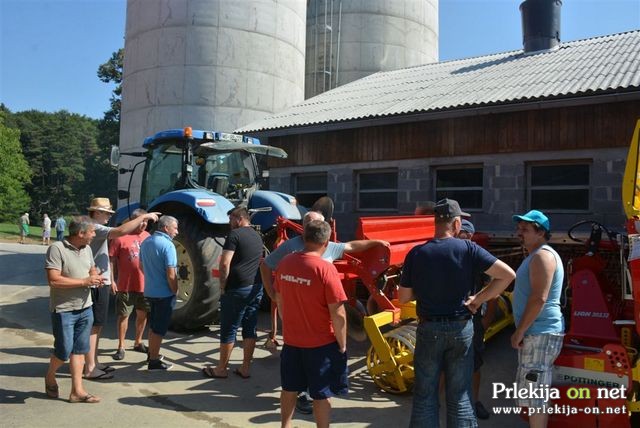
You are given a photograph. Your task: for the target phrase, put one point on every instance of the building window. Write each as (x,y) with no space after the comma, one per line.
(377,190)
(464,184)
(308,188)
(559,187)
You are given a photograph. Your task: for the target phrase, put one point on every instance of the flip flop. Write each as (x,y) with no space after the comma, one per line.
(141,347)
(98,374)
(51,390)
(90,399)
(105,368)
(209,372)
(239,373)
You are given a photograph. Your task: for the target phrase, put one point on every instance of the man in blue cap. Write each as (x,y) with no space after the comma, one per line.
(536,308)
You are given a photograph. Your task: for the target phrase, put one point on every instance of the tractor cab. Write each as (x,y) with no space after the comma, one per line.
(213,161)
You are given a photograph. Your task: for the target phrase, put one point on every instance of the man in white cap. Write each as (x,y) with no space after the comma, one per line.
(100,212)
(536,309)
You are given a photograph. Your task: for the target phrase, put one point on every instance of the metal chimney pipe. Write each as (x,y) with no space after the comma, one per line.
(540,24)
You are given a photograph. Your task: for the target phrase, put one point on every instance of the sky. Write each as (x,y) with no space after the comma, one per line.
(50,50)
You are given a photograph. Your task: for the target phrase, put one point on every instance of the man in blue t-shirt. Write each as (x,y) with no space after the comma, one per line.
(61,225)
(159,261)
(440,275)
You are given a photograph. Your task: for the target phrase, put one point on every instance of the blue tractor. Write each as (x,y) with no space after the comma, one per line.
(197,177)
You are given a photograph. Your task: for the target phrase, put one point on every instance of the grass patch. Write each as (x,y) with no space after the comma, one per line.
(11,232)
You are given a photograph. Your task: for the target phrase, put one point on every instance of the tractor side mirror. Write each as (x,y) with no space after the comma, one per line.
(114,158)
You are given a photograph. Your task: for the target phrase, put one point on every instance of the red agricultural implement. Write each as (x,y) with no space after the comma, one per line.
(371,279)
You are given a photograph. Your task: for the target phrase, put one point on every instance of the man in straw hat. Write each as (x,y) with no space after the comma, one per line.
(100,212)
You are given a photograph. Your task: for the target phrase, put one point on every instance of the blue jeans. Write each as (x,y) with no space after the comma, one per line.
(443,347)
(239,306)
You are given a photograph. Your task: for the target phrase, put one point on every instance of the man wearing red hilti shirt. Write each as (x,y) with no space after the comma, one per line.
(310,300)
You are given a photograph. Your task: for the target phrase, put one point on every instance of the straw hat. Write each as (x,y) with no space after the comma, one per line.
(101,204)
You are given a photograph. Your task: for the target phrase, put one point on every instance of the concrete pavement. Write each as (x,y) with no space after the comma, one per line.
(181,396)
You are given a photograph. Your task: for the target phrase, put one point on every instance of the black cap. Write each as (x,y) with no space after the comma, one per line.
(448,208)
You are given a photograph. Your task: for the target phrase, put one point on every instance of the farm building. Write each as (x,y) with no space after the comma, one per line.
(545,128)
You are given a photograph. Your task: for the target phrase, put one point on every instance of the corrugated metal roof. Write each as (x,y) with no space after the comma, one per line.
(584,67)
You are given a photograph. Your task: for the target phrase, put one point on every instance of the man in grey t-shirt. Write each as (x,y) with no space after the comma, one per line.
(70,273)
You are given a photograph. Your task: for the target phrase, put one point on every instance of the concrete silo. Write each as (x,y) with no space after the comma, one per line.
(210,64)
(350,39)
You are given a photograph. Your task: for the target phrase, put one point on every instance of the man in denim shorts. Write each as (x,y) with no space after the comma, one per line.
(536,309)
(124,255)
(159,261)
(70,273)
(310,299)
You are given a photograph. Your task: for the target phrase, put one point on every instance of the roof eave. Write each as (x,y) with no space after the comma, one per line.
(572,100)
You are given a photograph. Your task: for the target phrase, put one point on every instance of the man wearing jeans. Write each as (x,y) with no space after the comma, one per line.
(241,294)
(536,309)
(159,261)
(440,276)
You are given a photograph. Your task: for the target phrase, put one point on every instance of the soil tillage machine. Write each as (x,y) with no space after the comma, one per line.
(371,279)
(599,357)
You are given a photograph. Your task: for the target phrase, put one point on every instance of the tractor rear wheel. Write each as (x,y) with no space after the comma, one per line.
(198,246)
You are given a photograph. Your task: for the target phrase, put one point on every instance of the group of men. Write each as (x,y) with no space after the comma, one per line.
(81,279)
(442,275)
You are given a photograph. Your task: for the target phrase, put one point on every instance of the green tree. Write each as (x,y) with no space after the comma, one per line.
(58,147)
(100,175)
(14,173)
(111,72)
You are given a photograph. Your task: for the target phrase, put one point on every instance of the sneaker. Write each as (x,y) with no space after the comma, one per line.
(304,404)
(481,412)
(140,347)
(158,365)
(160,357)
(119,355)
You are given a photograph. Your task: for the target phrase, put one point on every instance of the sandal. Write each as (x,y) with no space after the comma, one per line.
(105,368)
(271,343)
(90,399)
(210,372)
(51,390)
(98,374)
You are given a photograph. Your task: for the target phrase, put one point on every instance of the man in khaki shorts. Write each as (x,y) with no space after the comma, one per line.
(124,256)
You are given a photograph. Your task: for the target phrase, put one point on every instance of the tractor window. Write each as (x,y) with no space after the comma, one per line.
(162,172)
(233,167)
